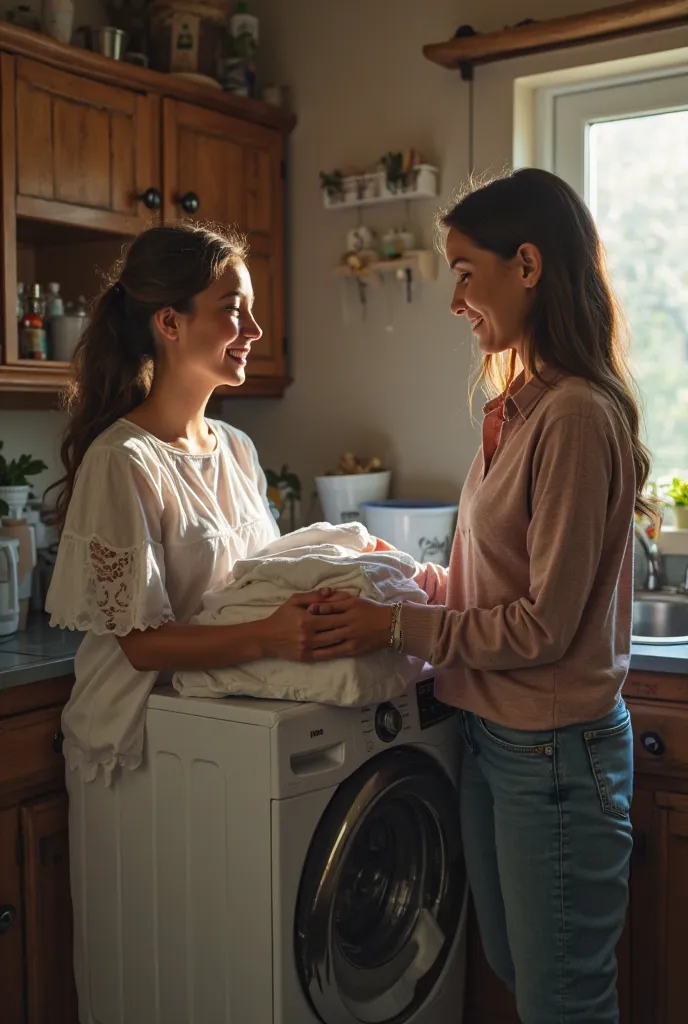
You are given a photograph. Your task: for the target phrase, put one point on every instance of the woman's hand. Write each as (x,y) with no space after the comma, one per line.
(295,633)
(356,626)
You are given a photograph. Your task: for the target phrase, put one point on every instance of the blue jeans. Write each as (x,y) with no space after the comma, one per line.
(547,838)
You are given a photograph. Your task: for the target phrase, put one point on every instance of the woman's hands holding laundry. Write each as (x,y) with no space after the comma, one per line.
(321,626)
(356,626)
(295,633)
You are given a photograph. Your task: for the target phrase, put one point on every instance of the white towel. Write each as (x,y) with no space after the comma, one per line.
(341,557)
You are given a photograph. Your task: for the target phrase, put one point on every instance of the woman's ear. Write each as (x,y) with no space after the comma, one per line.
(530,260)
(166,323)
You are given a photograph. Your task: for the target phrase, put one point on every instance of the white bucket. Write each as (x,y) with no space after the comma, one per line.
(341,497)
(423,529)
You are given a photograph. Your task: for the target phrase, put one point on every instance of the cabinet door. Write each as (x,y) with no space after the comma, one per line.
(223,170)
(670,836)
(11,938)
(51,996)
(84,150)
(219,168)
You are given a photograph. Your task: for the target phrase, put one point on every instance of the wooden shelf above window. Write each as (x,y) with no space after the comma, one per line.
(609,23)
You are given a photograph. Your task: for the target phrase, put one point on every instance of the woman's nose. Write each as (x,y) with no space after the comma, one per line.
(251,328)
(458,305)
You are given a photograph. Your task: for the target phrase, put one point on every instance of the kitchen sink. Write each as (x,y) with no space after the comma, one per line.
(660,619)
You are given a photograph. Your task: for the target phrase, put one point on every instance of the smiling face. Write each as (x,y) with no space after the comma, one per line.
(212,342)
(494,294)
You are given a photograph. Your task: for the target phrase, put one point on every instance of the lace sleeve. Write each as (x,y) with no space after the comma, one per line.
(109,574)
(116,589)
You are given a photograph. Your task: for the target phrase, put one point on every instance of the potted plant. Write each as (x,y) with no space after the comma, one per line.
(284,495)
(332,184)
(14,484)
(678,492)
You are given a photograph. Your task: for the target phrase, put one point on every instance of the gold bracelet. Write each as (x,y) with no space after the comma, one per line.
(393,626)
(398,632)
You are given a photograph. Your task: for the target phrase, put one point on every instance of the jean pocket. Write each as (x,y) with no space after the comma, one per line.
(611,757)
(518,741)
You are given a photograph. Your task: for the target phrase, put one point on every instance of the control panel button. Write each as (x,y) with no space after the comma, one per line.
(388,722)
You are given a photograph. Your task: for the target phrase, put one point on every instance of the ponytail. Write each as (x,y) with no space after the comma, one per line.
(113,364)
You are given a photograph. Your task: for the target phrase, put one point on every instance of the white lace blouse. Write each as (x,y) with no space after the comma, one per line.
(150,529)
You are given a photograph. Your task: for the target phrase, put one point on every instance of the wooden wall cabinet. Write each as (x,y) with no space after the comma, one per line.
(94,151)
(653,953)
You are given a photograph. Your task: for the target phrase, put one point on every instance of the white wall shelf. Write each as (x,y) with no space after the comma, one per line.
(372,189)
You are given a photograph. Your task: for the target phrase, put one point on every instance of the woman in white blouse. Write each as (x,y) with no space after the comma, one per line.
(158,502)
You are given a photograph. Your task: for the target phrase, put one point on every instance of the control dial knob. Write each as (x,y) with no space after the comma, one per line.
(388,722)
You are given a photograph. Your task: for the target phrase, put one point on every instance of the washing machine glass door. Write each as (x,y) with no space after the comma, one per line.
(382,892)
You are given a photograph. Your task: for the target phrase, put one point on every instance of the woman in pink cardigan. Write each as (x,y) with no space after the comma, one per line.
(529,628)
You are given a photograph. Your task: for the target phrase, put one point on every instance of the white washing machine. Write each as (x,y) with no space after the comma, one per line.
(275,863)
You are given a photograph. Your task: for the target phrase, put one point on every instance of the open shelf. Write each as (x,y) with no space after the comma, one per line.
(573,30)
(422,262)
(372,189)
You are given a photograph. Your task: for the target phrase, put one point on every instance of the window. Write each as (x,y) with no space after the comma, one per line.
(624,147)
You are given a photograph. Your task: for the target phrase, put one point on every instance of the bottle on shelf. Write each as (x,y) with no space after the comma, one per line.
(237,70)
(33,342)
(21,299)
(54,307)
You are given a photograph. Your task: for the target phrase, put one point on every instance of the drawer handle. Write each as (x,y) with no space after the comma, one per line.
(189,202)
(7,916)
(57,742)
(151,198)
(653,743)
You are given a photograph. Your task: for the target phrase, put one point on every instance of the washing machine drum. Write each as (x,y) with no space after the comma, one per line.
(382,892)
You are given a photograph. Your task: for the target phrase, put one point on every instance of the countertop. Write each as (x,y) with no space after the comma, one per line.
(39,653)
(45,653)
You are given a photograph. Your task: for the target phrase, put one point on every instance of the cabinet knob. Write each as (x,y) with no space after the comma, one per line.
(189,202)
(653,743)
(57,742)
(151,198)
(7,916)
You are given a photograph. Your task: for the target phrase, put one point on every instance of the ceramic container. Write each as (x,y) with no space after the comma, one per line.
(423,529)
(57,19)
(341,496)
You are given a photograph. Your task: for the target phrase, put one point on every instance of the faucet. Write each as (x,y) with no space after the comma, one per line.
(654,561)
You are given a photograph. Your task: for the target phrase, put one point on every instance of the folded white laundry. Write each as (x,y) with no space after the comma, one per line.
(340,557)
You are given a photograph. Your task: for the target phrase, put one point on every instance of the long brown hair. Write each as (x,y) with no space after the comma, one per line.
(574,324)
(114,361)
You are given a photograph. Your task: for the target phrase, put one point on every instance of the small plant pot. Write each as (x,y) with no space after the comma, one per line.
(680,517)
(16,499)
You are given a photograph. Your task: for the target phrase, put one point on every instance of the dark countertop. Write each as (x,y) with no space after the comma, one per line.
(39,653)
(45,653)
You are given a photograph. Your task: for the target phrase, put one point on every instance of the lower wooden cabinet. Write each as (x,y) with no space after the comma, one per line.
(36,976)
(50,991)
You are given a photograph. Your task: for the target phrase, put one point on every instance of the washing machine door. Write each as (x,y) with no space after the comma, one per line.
(382,892)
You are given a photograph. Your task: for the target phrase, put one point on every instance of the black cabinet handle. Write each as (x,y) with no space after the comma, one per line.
(189,202)
(7,916)
(151,198)
(57,742)
(653,743)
